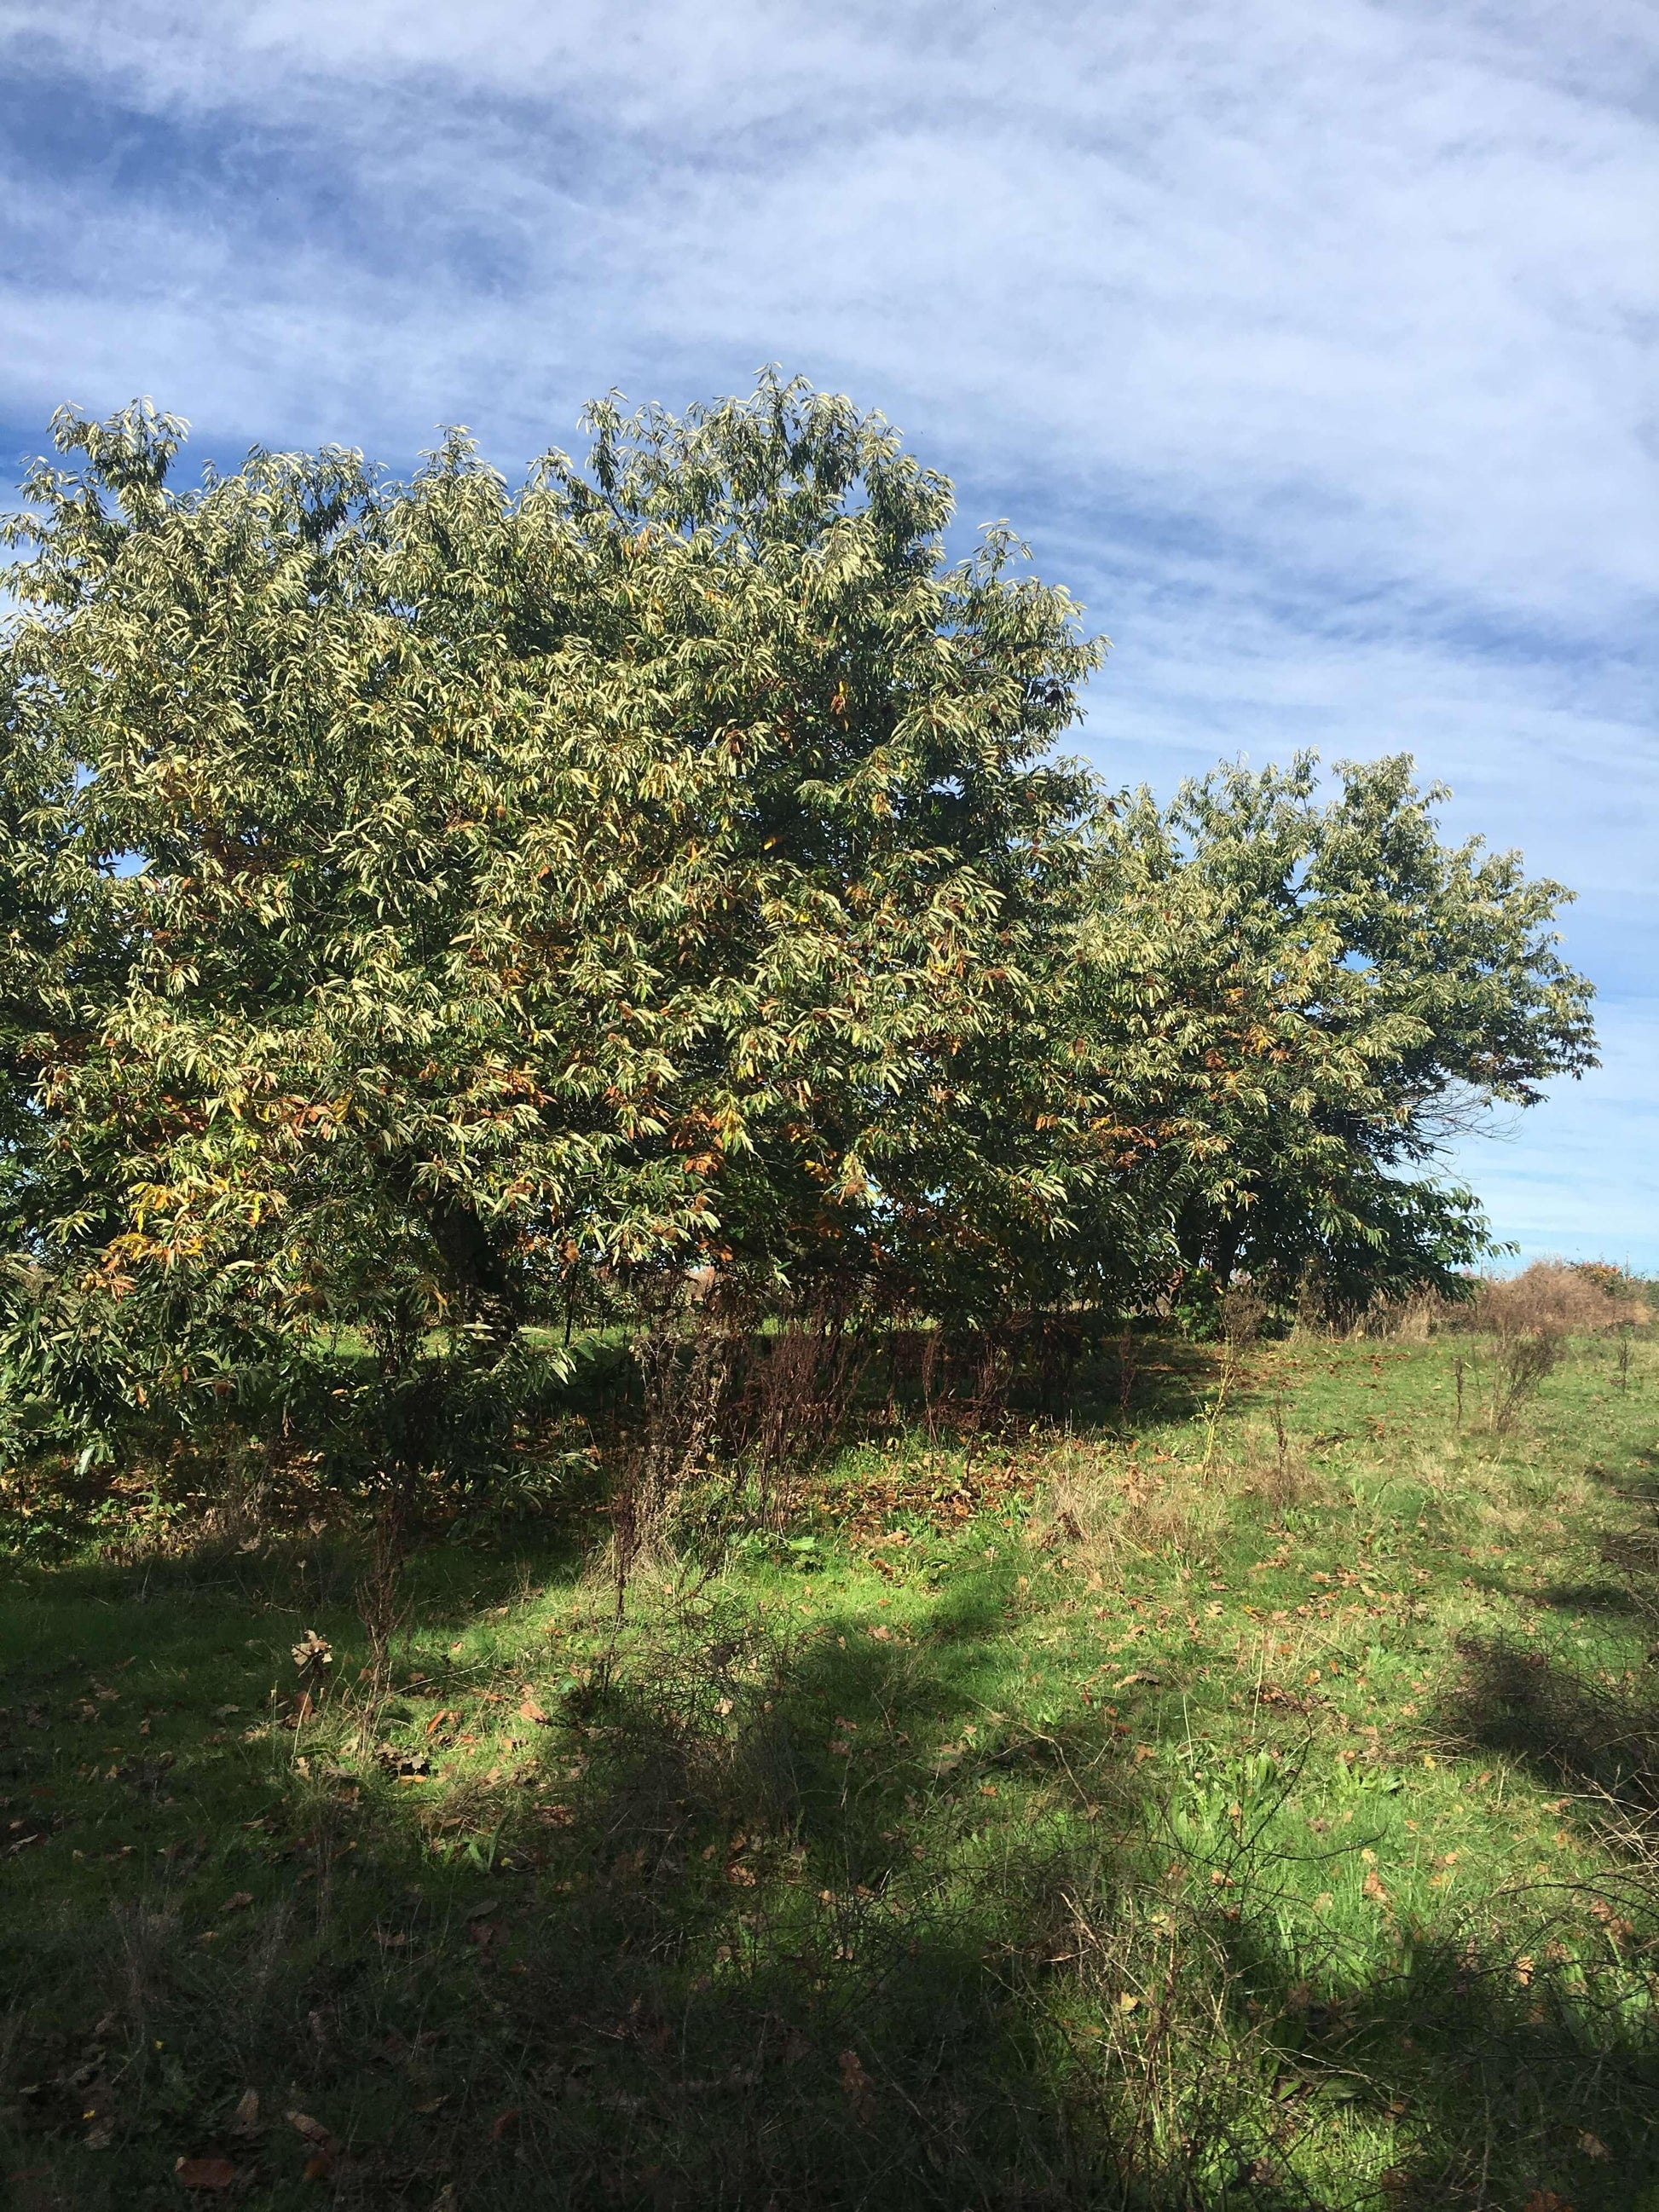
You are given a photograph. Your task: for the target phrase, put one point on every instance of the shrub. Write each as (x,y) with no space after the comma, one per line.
(1550,1299)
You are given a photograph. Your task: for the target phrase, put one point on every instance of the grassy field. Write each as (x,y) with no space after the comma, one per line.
(1211,1806)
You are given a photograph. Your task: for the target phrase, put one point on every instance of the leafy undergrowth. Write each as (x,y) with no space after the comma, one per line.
(1182,1814)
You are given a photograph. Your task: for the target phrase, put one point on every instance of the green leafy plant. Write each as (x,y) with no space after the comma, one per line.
(435,910)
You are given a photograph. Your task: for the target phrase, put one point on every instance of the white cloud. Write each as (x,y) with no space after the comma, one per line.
(1353,276)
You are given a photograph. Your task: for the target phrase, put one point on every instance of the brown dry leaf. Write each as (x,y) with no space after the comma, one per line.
(319,2167)
(247,2121)
(236,1901)
(857,2084)
(1592,2146)
(313,2130)
(1546,2200)
(205,2173)
(502,2122)
(1372,1887)
(530,1711)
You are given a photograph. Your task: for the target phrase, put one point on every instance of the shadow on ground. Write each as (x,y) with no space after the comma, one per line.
(736,1920)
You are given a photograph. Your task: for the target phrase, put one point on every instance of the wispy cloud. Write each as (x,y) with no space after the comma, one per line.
(1314,345)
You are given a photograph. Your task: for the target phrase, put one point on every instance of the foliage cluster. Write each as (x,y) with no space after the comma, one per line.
(439,918)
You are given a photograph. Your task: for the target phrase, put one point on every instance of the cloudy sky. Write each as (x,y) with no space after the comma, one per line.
(1312,343)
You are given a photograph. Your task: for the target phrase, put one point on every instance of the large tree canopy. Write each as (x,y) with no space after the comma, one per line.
(429,902)
(434,908)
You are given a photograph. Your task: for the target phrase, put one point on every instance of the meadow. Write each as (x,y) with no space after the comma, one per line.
(1236,1790)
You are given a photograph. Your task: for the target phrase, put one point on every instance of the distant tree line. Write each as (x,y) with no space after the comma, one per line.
(439,918)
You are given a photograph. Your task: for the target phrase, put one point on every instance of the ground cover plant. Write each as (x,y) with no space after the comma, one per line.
(1183,1807)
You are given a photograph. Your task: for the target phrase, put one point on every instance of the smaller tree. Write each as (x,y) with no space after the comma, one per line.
(1300,1003)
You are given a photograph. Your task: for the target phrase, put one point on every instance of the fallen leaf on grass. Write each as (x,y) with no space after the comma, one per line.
(502,2122)
(313,2131)
(238,1898)
(857,2084)
(247,2121)
(1592,2146)
(205,2173)
(1372,1887)
(530,1711)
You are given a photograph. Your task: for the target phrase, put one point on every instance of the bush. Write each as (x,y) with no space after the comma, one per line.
(1550,1299)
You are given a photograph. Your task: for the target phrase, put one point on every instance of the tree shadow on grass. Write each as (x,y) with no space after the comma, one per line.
(757,1911)
(1514,2057)
(1588,1731)
(1597,1736)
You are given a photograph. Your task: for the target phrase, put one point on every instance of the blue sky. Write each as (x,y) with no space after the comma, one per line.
(1311,343)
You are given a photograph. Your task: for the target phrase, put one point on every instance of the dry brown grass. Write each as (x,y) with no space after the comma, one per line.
(1100,1508)
(1411,1319)
(1550,1299)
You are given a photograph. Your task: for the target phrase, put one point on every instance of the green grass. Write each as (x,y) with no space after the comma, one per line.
(1071,1824)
